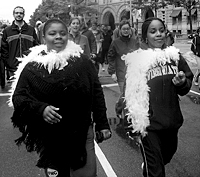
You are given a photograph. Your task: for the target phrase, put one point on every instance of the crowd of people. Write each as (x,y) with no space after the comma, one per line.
(53,68)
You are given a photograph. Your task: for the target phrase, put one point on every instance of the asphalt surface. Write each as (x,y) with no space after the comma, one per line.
(122,154)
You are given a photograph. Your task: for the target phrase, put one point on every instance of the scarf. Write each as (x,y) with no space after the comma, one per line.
(51,60)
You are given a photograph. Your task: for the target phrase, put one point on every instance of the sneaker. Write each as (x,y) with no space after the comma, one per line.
(103,69)
(51,172)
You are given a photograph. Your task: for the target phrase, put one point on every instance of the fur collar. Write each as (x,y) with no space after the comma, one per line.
(51,60)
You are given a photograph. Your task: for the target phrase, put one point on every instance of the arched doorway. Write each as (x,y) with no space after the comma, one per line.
(148,13)
(125,13)
(109,19)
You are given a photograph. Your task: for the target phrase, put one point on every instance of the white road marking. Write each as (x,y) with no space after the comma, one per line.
(194,92)
(104,162)
(4,94)
(110,85)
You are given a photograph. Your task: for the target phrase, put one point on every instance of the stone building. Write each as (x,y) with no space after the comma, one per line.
(176,18)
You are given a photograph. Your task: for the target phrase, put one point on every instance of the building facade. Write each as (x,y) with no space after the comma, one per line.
(175,18)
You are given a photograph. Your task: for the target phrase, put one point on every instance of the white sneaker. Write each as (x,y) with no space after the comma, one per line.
(51,172)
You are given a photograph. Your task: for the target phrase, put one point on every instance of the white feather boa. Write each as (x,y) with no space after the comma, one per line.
(137,91)
(52,60)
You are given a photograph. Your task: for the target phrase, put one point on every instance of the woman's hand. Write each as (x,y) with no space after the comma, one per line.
(179,78)
(50,115)
(114,77)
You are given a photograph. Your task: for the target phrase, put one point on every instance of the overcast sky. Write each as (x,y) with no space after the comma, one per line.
(7,6)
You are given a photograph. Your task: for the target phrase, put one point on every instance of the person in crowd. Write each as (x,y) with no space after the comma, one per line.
(84,30)
(169,38)
(17,39)
(155,79)
(116,66)
(2,65)
(195,48)
(37,26)
(99,38)
(107,39)
(117,33)
(55,92)
(77,37)
(49,15)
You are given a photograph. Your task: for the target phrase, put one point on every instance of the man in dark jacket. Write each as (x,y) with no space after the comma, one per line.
(16,39)
(91,38)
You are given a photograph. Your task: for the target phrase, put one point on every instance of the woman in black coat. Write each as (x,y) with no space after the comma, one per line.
(55,93)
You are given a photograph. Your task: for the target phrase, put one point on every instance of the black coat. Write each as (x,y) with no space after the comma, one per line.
(77,91)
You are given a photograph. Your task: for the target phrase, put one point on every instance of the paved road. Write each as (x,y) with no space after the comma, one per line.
(122,154)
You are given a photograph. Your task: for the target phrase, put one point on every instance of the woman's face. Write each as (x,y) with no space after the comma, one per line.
(125,30)
(75,25)
(156,34)
(56,37)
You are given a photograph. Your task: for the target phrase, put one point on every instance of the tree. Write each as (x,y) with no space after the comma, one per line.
(61,10)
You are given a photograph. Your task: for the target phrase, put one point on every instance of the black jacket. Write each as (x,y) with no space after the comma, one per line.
(15,41)
(164,108)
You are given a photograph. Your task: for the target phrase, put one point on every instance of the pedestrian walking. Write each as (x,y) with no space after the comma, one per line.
(116,66)
(195,48)
(84,30)
(55,93)
(107,40)
(17,39)
(77,37)
(155,79)
(99,38)
(169,38)
(48,16)
(37,28)
(2,64)
(117,32)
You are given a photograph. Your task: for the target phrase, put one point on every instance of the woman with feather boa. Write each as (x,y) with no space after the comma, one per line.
(156,76)
(55,92)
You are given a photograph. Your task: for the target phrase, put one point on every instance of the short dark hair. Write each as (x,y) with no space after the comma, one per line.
(124,22)
(53,20)
(20,8)
(123,17)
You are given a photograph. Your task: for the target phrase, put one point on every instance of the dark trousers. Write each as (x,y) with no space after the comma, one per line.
(2,73)
(104,54)
(158,148)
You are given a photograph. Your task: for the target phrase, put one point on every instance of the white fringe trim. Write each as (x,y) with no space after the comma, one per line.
(52,60)
(137,91)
